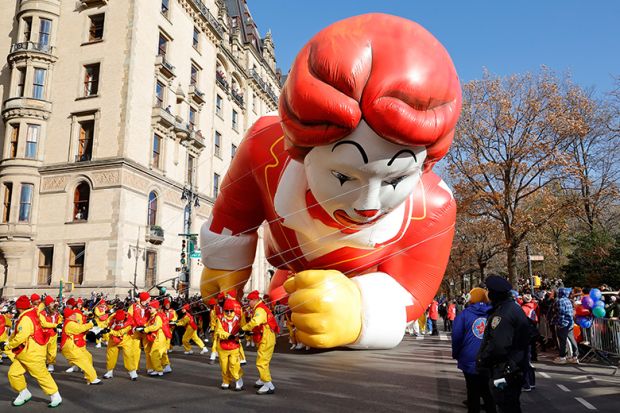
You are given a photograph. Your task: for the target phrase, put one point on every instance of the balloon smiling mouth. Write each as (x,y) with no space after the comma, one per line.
(343,218)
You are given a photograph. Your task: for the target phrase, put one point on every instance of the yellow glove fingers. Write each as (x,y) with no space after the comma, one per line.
(310,322)
(308,301)
(289,285)
(315,340)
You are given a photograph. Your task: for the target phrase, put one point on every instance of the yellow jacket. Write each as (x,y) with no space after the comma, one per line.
(155,326)
(24,334)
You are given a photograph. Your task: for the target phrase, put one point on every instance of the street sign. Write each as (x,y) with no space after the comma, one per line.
(537,258)
(195,254)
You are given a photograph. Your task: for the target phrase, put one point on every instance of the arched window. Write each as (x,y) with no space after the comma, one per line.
(81,198)
(152,212)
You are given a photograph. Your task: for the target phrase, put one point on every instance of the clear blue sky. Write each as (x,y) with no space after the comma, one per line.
(579,37)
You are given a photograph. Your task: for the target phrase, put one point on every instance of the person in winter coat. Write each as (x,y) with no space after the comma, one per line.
(28,346)
(564,323)
(530,308)
(467,333)
(433,315)
(450,315)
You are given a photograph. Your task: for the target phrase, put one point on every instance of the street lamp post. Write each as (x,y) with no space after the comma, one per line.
(137,249)
(190,195)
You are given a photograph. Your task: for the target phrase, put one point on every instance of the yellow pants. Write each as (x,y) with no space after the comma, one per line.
(230,363)
(215,345)
(170,340)
(134,342)
(31,361)
(264,352)
(105,337)
(191,335)
(5,337)
(51,350)
(158,354)
(79,356)
(111,356)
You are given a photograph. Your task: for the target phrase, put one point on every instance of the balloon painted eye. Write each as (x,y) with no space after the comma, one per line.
(341,177)
(395,181)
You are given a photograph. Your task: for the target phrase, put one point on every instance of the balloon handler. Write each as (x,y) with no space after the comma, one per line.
(119,330)
(341,181)
(189,322)
(228,333)
(73,345)
(27,344)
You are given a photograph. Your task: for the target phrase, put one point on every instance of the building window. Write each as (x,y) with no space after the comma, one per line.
(217,142)
(85,146)
(235,120)
(32,138)
(219,103)
(38,85)
(45,29)
(152,210)
(193,79)
(159,94)
(25,202)
(46,258)
(21,80)
(76,263)
(165,7)
(95,30)
(156,151)
(216,185)
(190,170)
(27,28)
(254,103)
(163,45)
(233,150)
(8,194)
(91,79)
(14,140)
(81,198)
(192,118)
(151,269)
(195,38)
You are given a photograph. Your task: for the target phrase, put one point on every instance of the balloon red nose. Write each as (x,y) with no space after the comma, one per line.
(367,213)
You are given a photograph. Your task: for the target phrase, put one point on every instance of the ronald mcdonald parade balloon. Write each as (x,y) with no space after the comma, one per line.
(341,181)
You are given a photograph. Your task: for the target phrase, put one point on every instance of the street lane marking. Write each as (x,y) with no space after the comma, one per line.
(578,377)
(419,338)
(585,403)
(545,375)
(585,381)
(563,387)
(443,337)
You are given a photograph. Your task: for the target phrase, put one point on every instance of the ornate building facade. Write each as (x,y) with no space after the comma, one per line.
(119,120)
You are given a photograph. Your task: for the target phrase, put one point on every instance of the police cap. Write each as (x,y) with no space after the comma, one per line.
(497,284)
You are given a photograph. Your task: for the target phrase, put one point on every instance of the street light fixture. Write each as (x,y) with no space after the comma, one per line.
(137,250)
(190,195)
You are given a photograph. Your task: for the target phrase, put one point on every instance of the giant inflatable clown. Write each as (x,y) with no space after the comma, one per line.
(341,180)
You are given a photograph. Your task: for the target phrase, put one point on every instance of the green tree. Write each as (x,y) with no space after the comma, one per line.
(590,264)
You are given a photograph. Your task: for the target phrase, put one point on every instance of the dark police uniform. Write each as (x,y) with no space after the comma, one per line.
(503,353)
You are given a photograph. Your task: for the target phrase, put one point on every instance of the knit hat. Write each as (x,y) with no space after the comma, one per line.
(154,304)
(68,313)
(221,296)
(478,295)
(254,295)
(71,301)
(35,297)
(229,305)
(49,300)
(166,301)
(144,296)
(212,301)
(80,301)
(22,303)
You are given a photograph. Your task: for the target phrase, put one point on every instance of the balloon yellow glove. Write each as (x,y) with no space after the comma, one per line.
(213,281)
(326,308)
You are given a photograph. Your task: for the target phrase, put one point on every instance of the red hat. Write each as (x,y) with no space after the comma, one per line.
(49,300)
(35,297)
(166,301)
(71,301)
(221,296)
(120,315)
(102,301)
(80,301)
(212,301)
(154,304)
(229,304)
(144,296)
(254,295)
(186,307)
(68,312)
(232,293)
(22,303)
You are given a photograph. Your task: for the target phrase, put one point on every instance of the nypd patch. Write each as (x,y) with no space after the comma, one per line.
(495,322)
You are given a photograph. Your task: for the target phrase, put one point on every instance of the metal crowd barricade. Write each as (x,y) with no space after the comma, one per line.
(603,338)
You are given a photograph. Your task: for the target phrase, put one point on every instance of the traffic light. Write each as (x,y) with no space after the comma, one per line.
(537,281)
(162,290)
(183,246)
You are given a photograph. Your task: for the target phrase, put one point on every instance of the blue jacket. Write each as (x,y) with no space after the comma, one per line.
(467,332)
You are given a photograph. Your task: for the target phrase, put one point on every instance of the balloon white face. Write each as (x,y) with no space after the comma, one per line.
(363,177)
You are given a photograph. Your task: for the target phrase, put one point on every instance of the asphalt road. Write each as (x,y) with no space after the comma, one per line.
(418,375)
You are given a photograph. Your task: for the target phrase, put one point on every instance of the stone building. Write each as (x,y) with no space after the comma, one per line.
(120,118)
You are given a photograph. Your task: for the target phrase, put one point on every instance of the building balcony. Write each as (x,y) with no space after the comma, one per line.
(215,26)
(197,140)
(24,107)
(196,94)
(237,97)
(39,52)
(182,129)
(164,67)
(163,116)
(221,81)
(154,234)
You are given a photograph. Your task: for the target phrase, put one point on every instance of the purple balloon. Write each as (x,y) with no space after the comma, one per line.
(587,302)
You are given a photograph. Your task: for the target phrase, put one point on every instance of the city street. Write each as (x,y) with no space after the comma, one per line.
(418,374)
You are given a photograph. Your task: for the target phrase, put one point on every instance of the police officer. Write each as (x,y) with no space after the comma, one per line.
(504,346)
